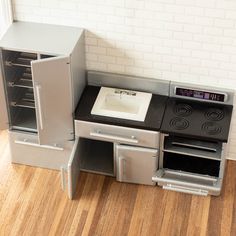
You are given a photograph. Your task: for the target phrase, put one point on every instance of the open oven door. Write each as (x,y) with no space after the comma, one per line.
(190,165)
(4,120)
(185,182)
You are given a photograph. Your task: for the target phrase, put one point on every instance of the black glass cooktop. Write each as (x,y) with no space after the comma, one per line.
(197,119)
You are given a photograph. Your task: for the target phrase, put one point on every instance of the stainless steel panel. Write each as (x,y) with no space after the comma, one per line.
(155,86)
(135,164)
(51,79)
(78,81)
(4,120)
(42,38)
(117,134)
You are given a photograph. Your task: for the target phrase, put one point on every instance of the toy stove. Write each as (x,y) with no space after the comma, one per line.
(194,134)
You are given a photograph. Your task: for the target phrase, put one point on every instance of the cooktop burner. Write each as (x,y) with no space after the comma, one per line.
(214,114)
(197,119)
(211,128)
(179,123)
(182,109)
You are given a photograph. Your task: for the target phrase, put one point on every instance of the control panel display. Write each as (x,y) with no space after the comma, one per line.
(198,94)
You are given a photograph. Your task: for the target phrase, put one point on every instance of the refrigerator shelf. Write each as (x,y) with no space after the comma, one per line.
(24,103)
(24,99)
(20,59)
(22,79)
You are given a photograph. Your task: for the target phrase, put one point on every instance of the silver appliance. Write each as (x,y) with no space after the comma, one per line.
(41,80)
(193,139)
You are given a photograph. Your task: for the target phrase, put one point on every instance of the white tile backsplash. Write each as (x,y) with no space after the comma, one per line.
(184,40)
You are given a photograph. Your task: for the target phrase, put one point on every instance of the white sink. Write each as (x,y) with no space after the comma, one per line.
(121,103)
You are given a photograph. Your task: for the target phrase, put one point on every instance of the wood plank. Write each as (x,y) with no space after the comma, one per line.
(198,217)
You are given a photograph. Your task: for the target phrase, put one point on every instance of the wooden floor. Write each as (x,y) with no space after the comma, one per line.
(32,203)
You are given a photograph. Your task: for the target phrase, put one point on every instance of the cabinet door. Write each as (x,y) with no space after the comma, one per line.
(3,107)
(53,98)
(70,173)
(135,164)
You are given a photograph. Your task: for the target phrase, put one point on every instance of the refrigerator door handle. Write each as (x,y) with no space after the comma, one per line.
(38,88)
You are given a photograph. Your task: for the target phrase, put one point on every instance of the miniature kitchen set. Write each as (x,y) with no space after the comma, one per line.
(138,130)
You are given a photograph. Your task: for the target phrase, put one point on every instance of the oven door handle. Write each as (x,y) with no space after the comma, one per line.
(185,190)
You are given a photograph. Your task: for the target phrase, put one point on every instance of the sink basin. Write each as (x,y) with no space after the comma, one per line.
(121,103)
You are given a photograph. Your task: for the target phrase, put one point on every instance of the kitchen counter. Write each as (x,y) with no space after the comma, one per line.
(152,121)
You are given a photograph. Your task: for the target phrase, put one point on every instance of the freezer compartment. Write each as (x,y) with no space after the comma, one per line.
(188,183)
(96,156)
(191,164)
(23,119)
(14,58)
(25,149)
(193,147)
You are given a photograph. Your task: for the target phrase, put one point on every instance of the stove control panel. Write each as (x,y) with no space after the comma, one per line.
(199,94)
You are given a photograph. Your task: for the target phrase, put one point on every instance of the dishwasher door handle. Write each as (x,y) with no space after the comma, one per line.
(117,138)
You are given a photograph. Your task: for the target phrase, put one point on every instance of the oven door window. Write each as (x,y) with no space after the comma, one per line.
(191,164)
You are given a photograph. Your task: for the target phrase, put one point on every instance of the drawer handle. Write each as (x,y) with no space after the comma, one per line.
(38,145)
(185,190)
(114,137)
(121,168)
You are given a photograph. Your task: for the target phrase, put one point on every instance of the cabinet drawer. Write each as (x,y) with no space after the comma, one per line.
(117,134)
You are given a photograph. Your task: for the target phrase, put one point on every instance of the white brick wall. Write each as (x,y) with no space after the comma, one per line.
(184,40)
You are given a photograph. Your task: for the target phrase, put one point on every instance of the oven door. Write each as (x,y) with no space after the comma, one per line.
(188,182)
(190,166)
